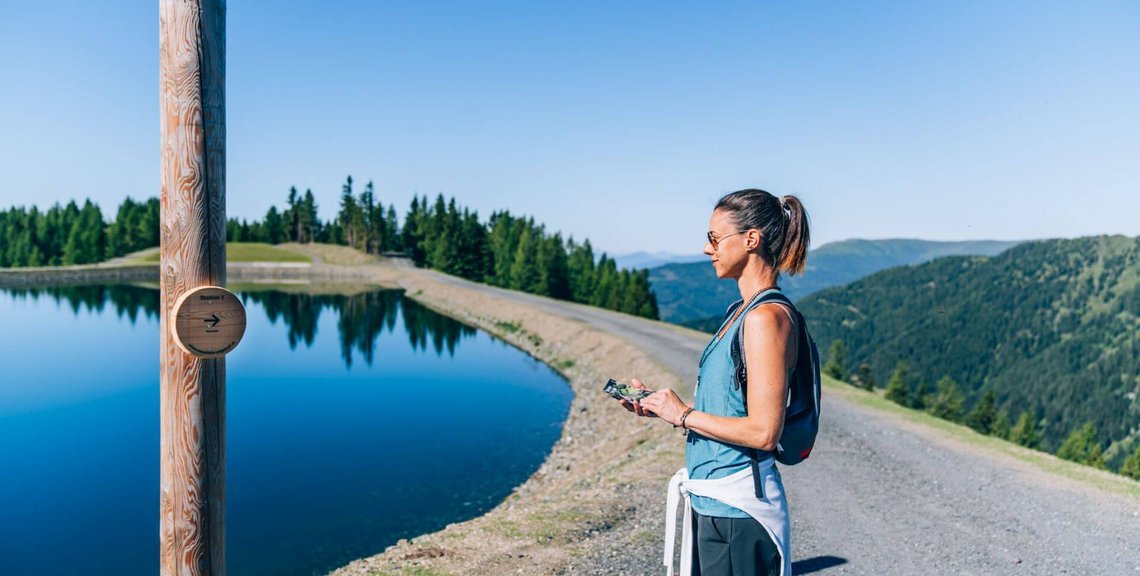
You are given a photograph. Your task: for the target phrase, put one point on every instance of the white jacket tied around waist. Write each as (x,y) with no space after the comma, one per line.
(738,491)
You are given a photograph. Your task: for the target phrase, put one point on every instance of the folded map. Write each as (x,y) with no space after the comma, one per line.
(619,390)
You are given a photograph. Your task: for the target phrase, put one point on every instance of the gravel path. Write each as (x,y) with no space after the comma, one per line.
(884,495)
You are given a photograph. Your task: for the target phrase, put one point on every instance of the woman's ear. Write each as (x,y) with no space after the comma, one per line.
(752,239)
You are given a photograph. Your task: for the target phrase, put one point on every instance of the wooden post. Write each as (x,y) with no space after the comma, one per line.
(193,239)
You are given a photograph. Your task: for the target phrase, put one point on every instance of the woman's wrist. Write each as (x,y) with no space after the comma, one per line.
(684,416)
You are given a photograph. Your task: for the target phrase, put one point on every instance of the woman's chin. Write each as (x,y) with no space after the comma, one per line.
(723,272)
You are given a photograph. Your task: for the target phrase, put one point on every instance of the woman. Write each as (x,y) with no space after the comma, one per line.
(753,237)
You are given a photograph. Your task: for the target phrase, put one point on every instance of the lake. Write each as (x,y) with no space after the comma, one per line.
(352,421)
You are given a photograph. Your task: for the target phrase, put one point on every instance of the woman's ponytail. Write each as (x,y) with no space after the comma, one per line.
(797,237)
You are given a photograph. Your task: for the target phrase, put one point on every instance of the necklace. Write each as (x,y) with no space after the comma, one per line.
(742,307)
(720,334)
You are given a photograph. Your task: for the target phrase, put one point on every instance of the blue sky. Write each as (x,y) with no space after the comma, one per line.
(620,122)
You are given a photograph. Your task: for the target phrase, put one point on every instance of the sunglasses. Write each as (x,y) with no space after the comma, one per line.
(714,241)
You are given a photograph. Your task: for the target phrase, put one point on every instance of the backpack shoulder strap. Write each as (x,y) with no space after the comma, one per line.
(741,371)
(741,374)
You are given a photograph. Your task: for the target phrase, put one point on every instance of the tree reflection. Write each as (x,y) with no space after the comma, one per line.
(361,318)
(126,299)
(299,312)
(423,325)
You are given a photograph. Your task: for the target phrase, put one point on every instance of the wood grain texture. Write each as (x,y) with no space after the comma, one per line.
(193,413)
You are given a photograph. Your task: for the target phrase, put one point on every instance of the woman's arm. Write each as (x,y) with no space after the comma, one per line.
(768,350)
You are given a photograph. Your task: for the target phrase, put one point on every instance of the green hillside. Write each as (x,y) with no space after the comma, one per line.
(1052,327)
(250,252)
(690,293)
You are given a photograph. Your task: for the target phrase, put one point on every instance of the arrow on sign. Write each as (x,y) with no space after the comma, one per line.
(213,320)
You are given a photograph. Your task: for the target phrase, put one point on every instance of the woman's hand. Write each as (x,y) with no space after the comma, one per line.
(636,407)
(666,405)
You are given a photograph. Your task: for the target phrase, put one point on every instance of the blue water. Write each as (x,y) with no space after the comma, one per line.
(351,422)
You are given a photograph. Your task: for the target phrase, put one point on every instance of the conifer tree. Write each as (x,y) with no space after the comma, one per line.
(293,215)
(273,230)
(524,272)
(433,223)
(922,397)
(836,361)
(415,224)
(120,234)
(1131,466)
(348,217)
(606,284)
(1025,431)
(94,231)
(73,250)
(556,273)
(443,247)
(86,238)
(1001,427)
(233,230)
(369,226)
(580,264)
(473,250)
(1082,447)
(392,230)
(982,417)
(149,222)
(310,224)
(45,234)
(647,307)
(453,227)
(501,248)
(947,402)
(256,232)
(898,390)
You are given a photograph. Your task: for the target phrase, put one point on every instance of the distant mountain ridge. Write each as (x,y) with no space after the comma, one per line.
(637,260)
(1051,326)
(691,294)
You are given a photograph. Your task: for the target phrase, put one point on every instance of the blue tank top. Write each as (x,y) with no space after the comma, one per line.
(716,393)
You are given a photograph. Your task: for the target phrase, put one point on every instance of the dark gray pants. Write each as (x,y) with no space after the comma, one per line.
(733,547)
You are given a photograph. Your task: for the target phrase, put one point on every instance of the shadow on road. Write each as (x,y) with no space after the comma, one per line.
(816,564)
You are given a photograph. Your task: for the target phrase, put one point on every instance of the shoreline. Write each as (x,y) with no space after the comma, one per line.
(236,272)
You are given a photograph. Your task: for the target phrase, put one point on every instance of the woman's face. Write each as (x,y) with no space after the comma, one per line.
(729,253)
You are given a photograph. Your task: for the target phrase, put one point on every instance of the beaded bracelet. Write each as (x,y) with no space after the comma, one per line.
(686,415)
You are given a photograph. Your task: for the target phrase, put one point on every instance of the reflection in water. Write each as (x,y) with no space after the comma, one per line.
(361,317)
(127,300)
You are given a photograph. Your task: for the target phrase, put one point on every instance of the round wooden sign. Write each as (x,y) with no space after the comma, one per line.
(208,321)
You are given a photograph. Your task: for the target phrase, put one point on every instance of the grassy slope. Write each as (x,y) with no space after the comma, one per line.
(334,254)
(1041,460)
(251,252)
